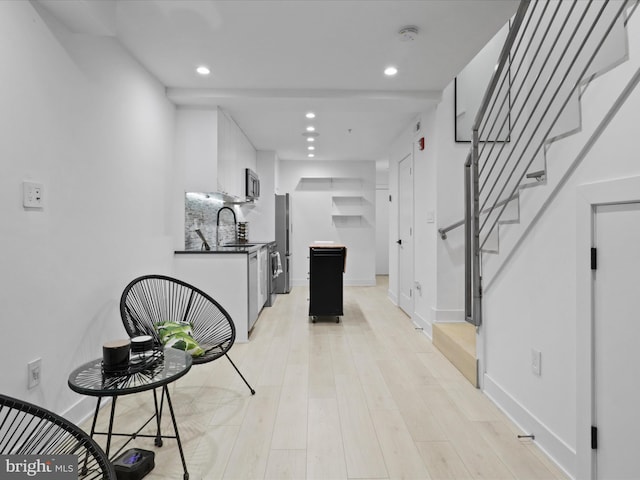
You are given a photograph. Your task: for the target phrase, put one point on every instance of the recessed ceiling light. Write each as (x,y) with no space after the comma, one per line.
(390,71)
(310,115)
(311,147)
(203,70)
(311,155)
(311,128)
(311,139)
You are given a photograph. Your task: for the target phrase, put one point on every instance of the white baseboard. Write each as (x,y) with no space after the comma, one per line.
(563,455)
(392,296)
(369,282)
(447,316)
(423,324)
(360,282)
(83,409)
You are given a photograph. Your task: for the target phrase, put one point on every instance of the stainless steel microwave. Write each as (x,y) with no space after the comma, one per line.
(252,184)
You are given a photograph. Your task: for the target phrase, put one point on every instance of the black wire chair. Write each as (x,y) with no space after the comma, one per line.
(26,429)
(152,299)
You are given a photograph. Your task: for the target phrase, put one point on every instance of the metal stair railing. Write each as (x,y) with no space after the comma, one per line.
(548,55)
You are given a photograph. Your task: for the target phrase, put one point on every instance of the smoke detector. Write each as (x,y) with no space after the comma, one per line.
(408,33)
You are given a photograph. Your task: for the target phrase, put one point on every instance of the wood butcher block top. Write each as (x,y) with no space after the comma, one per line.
(327,245)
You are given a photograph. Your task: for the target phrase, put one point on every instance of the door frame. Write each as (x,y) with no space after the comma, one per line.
(410,158)
(589,196)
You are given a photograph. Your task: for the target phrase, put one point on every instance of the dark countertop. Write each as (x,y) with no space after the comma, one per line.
(249,248)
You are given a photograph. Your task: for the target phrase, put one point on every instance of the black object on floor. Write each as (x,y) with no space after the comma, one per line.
(134,464)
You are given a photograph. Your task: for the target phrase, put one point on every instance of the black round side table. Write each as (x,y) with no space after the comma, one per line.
(154,370)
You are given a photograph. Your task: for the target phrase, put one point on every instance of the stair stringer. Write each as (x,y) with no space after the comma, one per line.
(612,52)
(600,97)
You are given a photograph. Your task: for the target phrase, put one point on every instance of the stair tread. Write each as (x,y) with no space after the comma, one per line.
(457,342)
(461,333)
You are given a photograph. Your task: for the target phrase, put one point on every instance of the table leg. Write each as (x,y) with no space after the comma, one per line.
(158,440)
(95,417)
(93,429)
(175,429)
(113,411)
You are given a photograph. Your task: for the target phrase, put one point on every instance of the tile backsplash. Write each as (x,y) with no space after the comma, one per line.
(201,211)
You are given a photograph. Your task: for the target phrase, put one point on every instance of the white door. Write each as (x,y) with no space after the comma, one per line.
(382,231)
(616,293)
(405,234)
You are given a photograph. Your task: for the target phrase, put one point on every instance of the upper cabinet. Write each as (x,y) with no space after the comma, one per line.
(197,148)
(215,151)
(235,154)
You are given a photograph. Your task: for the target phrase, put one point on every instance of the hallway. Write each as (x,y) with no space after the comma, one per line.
(369,397)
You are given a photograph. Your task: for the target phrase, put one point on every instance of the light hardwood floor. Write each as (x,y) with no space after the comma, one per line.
(366,398)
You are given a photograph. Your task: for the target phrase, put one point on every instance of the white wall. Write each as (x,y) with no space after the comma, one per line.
(450,161)
(425,209)
(84,119)
(312,185)
(438,202)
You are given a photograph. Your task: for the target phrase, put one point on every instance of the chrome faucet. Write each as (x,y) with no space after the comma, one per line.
(235,224)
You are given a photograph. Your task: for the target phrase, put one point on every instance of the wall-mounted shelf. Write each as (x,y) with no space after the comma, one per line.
(347,199)
(330,183)
(347,205)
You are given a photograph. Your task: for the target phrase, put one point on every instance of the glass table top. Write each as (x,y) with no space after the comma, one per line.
(142,373)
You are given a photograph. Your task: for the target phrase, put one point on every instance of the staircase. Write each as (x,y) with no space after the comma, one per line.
(547,104)
(588,112)
(554,52)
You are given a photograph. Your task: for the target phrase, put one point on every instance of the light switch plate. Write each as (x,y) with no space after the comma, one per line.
(34,372)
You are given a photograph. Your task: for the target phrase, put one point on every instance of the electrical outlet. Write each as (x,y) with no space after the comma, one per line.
(536,362)
(32,195)
(34,372)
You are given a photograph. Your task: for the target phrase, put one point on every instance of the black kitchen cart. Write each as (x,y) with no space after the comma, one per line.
(326,271)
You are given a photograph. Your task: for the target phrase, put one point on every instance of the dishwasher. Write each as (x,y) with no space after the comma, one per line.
(253,289)
(326,271)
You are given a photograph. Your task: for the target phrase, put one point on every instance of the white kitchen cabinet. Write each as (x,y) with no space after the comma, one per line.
(214,151)
(197,148)
(223,153)
(225,277)
(236,153)
(227,163)
(246,157)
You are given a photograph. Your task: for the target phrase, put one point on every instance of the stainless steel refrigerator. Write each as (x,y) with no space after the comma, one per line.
(283,242)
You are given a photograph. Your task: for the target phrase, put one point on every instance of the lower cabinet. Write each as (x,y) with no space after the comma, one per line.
(227,278)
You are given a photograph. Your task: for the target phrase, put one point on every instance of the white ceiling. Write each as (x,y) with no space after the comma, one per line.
(274,60)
